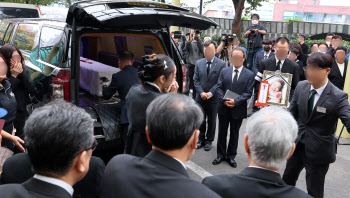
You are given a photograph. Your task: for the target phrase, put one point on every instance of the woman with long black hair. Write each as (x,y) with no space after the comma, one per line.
(21,84)
(157,76)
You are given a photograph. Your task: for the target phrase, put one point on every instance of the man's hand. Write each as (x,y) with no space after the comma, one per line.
(209,96)
(256,31)
(230,103)
(204,96)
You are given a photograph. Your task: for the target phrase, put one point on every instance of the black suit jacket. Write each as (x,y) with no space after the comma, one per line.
(335,76)
(122,82)
(287,67)
(253,183)
(155,175)
(319,128)
(207,83)
(18,169)
(244,88)
(33,188)
(259,57)
(137,101)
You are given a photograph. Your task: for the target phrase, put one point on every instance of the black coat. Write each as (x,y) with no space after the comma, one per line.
(22,87)
(319,128)
(122,82)
(18,169)
(335,76)
(157,175)
(244,88)
(33,188)
(253,183)
(137,101)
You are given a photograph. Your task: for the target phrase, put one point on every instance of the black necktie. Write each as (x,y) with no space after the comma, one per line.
(311,101)
(278,65)
(235,78)
(208,68)
(265,57)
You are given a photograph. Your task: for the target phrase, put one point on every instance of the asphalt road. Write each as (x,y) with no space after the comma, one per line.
(337,179)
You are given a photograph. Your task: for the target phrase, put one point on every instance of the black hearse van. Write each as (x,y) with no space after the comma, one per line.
(67,59)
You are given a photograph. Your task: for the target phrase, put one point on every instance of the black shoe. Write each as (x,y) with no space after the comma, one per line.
(217,161)
(200,144)
(232,163)
(208,146)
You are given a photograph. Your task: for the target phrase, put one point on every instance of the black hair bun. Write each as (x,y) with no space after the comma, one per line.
(147,67)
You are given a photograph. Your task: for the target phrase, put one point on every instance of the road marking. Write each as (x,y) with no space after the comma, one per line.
(197,169)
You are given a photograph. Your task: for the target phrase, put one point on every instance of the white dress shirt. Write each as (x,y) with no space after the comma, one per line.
(282,61)
(263,168)
(154,85)
(341,68)
(180,162)
(55,182)
(267,55)
(319,91)
(234,73)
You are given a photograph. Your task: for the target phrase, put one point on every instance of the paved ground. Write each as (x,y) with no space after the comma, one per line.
(337,179)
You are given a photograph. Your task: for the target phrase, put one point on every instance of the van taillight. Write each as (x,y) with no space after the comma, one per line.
(60,85)
(185,80)
(39,10)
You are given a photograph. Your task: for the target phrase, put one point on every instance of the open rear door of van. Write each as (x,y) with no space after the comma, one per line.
(134,15)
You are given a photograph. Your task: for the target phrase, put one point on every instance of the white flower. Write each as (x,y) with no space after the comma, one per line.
(165,66)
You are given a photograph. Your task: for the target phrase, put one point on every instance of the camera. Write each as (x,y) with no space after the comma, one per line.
(252,33)
(228,38)
(177,34)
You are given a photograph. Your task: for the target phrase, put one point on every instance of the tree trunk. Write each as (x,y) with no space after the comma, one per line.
(236,23)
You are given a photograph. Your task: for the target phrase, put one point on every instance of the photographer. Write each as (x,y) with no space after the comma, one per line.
(227,43)
(194,48)
(255,34)
(176,35)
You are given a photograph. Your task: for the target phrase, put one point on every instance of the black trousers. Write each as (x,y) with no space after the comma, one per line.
(208,127)
(190,75)
(235,125)
(315,173)
(21,117)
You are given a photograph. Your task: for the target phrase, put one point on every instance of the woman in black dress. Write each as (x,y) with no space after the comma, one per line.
(21,84)
(157,76)
(8,102)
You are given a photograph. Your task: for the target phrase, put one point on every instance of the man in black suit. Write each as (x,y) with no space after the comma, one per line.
(239,80)
(122,82)
(59,139)
(269,141)
(317,105)
(279,62)
(338,72)
(161,173)
(18,169)
(260,56)
(336,42)
(303,45)
(206,74)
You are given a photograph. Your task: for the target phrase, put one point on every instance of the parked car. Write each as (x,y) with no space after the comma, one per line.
(66,59)
(19,10)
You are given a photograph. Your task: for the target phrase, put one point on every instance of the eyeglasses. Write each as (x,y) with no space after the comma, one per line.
(93,147)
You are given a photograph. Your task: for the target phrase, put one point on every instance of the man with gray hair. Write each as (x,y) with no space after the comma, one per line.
(235,87)
(59,140)
(173,122)
(269,142)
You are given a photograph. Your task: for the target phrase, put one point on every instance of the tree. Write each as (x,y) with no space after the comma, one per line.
(239,7)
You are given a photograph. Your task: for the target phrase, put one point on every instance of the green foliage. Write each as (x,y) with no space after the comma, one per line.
(215,38)
(253,4)
(290,20)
